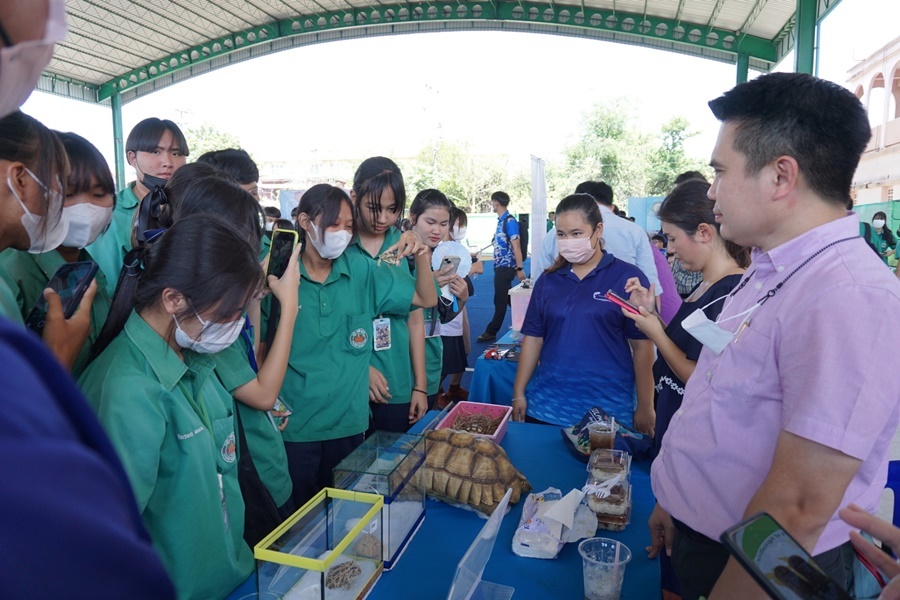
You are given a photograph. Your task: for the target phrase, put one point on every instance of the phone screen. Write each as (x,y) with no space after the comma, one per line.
(283,243)
(70,281)
(778,562)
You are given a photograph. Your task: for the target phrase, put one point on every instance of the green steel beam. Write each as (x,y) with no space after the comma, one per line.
(805,38)
(118,140)
(743,67)
(565,15)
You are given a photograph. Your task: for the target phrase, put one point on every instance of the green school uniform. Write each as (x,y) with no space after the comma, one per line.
(109,249)
(9,308)
(327,381)
(27,276)
(172,424)
(263,437)
(434,348)
(394,363)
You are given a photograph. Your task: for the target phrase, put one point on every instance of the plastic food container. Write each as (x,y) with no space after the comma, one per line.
(519,297)
(492,411)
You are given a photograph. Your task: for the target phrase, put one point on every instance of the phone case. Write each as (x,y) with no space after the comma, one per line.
(620,301)
(70,293)
(277,266)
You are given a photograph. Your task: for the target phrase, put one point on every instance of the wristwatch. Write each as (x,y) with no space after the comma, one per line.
(519,269)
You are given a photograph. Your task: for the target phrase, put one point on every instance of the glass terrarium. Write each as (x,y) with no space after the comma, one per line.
(392,465)
(329,549)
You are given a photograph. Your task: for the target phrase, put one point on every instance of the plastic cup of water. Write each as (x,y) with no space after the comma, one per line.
(602,433)
(603,561)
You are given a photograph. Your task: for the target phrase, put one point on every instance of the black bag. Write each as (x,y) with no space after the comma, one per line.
(260,512)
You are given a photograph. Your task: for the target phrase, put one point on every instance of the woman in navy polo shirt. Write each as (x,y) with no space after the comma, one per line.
(589,353)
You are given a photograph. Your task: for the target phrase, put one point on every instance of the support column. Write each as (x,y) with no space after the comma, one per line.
(743,67)
(118,140)
(805,39)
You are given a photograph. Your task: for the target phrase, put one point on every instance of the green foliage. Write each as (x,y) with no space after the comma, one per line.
(668,161)
(205,138)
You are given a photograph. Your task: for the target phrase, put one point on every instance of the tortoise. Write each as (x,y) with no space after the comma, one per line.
(469,469)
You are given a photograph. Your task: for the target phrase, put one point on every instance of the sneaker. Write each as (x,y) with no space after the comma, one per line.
(487,337)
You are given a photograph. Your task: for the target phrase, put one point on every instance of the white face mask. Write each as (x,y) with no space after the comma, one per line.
(334,246)
(269,225)
(41,241)
(214,337)
(878,223)
(86,222)
(21,65)
(458,234)
(710,334)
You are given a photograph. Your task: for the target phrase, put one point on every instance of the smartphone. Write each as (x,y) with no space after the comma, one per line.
(70,281)
(777,562)
(617,299)
(283,243)
(449,265)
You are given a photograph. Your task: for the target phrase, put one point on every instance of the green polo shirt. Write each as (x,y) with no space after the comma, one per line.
(27,276)
(109,249)
(9,308)
(434,349)
(263,437)
(327,381)
(395,363)
(172,424)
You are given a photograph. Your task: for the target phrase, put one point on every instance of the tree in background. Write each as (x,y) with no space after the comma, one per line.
(467,179)
(669,159)
(205,138)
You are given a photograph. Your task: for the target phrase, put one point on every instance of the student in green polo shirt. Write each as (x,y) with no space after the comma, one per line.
(156,148)
(167,414)
(90,196)
(397,396)
(342,297)
(429,217)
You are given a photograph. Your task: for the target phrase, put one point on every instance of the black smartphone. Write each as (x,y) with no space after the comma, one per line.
(283,243)
(70,281)
(777,562)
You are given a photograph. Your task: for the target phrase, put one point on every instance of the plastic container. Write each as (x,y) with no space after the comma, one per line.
(387,464)
(493,411)
(329,549)
(519,297)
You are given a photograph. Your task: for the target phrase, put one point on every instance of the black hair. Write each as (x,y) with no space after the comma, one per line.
(584,203)
(86,165)
(659,237)
(886,234)
(599,190)
(323,202)
(215,195)
(821,124)
(458,217)
(688,206)
(26,140)
(502,198)
(426,199)
(201,256)
(295,211)
(271,211)
(283,224)
(689,175)
(235,162)
(146,135)
(372,177)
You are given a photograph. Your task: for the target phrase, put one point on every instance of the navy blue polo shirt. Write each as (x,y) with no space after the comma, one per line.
(586,358)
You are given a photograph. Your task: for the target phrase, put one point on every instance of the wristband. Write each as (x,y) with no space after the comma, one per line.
(420,391)
(514,399)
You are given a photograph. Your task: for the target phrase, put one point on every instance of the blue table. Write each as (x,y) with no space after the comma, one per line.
(426,569)
(492,381)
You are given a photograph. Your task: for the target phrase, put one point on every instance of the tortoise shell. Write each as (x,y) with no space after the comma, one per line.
(470,469)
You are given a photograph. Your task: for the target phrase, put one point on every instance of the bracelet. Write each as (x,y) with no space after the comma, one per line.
(420,391)
(519,398)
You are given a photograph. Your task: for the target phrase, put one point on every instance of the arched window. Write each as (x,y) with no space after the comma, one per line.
(875,107)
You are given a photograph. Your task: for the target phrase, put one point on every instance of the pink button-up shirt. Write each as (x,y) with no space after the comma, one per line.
(817,359)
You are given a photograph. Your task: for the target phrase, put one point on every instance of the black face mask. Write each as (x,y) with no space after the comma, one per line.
(152,181)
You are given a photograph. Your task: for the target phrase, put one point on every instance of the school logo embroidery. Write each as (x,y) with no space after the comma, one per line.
(358,338)
(229,450)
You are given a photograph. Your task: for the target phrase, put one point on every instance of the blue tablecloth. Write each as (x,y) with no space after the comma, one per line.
(427,567)
(492,381)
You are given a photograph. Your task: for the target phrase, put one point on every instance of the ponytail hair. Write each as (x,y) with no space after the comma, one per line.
(428,198)
(585,204)
(322,202)
(214,266)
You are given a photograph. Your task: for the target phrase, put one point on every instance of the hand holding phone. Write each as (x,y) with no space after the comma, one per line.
(283,243)
(619,300)
(449,266)
(70,281)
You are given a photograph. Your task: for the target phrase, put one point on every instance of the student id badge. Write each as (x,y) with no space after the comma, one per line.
(382,331)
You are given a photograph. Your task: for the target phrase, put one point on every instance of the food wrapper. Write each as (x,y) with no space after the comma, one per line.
(549,520)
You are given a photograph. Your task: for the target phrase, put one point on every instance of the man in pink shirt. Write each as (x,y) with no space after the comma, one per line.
(794,399)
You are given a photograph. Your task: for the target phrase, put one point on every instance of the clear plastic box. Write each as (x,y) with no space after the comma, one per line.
(329,549)
(519,297)
(492,411)
(386,464)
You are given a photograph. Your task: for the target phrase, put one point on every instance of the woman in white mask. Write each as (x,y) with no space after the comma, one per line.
(689,224)
(345,299)
(87,210)
(169,417)
(590,355)
(881,238)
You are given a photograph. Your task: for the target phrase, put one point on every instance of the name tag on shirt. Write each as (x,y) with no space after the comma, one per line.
(382,334)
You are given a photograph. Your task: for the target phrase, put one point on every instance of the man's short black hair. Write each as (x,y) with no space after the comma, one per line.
(688,175)
(822,125)
(235,162)
(600,190)
(271,211)
(500,197)
(659,237)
